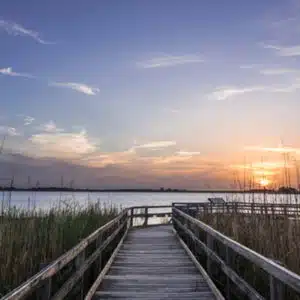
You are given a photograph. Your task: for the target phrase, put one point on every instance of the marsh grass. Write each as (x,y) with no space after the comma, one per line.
(277,238)
(30,239)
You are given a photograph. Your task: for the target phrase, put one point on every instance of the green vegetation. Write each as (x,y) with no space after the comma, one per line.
(275,237)
(31,239)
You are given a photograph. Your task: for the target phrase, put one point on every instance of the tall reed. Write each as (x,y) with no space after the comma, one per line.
(29,239)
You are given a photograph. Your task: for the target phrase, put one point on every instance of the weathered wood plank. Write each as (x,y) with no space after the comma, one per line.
(156,268)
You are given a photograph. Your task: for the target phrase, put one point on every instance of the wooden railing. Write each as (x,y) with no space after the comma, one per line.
(232,265)
(70,276)
(278,209)
(142,214)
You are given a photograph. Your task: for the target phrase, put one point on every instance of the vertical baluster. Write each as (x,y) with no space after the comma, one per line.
(209,244)
(146,217)
(276,289)
(44,293)
(227,278)
(79,260)
(99,260)
(131,216)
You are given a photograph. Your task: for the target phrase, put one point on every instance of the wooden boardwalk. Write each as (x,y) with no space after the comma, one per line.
(152,264)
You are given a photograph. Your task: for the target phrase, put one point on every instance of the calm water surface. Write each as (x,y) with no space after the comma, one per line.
(44,200)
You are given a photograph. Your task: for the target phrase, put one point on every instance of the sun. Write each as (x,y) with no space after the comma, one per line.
(264,182)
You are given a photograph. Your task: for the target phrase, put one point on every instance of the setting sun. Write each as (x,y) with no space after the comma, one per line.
(264,182)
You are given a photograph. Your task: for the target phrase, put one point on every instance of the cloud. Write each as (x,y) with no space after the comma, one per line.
(62,145)
(156,145)
(9,72)
(266,165)
(277,71)
(284,51)
(15,29)
(50,127)
(279,149)
(187,153)
(169,61)
(28,120)
(228,92)
(10,131)
(252,66)
(79,87)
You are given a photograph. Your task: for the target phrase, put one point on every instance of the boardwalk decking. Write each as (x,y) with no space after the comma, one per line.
(152,264)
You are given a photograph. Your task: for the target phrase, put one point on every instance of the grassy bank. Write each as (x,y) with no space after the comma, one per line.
(29,239)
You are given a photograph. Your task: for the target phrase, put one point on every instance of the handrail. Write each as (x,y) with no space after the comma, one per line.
(48,272)
(275,209)
(146,214)
(275,271)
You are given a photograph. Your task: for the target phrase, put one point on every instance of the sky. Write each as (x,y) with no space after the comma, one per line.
(147,94)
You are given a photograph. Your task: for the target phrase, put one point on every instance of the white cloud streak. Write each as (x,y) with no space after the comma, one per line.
(187,153)
(28,120)
(284,51)
(169,61)
(228,92)
(156,145)
(79,87)
(15,29)
(277,71)
(9,72)
(280,149)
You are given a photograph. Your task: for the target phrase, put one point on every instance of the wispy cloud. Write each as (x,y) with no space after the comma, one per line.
(9,72)
(156,145)
(225,93)
(251,66)
(263,166)
(283,51)
(279,149)
(277,71)
(169,61)
(79,87)
(28,120)
(187,153)
(15,29)
(50,127)
(10,131)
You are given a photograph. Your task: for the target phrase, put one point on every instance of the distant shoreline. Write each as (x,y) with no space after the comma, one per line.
(57,189)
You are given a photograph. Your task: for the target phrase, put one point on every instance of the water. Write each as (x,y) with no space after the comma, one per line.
(45,200)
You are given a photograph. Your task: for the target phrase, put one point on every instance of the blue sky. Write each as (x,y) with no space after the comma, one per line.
(172,88)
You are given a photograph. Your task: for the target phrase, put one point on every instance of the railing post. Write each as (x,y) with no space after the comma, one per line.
(227,258)
(146,217)
(276,289)
(99,260)
(44,292)
(78,263)
(209,244)
(131,216)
